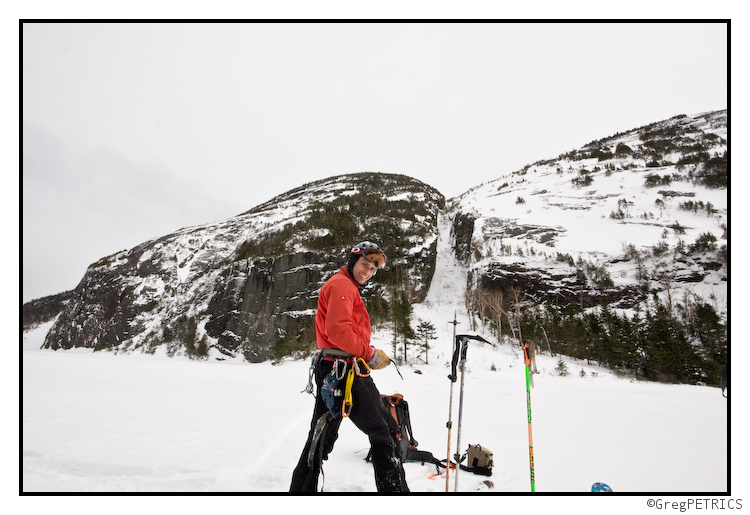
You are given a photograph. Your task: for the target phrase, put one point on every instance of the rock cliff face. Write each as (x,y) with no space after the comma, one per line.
(249,285)
(266,301)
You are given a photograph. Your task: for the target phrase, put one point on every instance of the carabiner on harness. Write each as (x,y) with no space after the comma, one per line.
(346,407)
(339,368)
(356,366)
(356,371)
(313,363)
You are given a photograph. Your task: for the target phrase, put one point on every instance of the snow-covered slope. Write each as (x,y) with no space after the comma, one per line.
(616,212)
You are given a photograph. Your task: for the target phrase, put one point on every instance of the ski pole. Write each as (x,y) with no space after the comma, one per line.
(449,425)
(461,346)
(457,456)
(527,363)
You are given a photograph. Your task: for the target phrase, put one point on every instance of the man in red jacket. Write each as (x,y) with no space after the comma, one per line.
(342,327)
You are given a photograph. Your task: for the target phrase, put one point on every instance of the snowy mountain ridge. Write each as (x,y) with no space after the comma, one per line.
(604,206)
(248,285)
(593,253)
(639,213)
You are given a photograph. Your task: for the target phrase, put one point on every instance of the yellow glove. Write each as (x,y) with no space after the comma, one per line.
(379,360)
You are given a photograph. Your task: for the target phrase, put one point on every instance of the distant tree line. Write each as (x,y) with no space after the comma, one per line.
(685,343)
(657,344)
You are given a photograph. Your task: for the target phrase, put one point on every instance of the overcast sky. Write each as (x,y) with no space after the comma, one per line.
(132,131)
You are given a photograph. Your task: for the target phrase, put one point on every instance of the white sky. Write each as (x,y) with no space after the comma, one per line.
(131,131)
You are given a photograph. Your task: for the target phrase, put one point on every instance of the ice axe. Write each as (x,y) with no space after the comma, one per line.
(449,425)
(460,347)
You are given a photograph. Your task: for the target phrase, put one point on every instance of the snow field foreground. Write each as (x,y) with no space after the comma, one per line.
(98,422)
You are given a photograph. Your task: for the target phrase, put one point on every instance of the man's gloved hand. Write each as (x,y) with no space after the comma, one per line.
(379,360)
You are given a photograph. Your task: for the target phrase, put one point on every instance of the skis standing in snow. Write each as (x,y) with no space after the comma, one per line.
(527,357)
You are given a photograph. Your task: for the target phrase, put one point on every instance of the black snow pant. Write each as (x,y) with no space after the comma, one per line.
(369,414)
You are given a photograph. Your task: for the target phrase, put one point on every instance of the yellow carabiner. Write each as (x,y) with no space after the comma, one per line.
(346,407)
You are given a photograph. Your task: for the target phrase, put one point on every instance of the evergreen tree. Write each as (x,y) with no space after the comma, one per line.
(202,350)
(402,329)
(378,308)
(711,334)
(561,368)
(669,356)
(425,333)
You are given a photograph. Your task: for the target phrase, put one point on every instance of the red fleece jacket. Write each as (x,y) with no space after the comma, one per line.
(342,321)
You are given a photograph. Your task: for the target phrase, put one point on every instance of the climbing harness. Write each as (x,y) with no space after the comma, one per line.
(344,367)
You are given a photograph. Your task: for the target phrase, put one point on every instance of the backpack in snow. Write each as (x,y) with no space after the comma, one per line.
(478,458)
(399,410)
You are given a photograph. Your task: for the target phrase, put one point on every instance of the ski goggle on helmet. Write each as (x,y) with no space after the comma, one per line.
(371,252)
